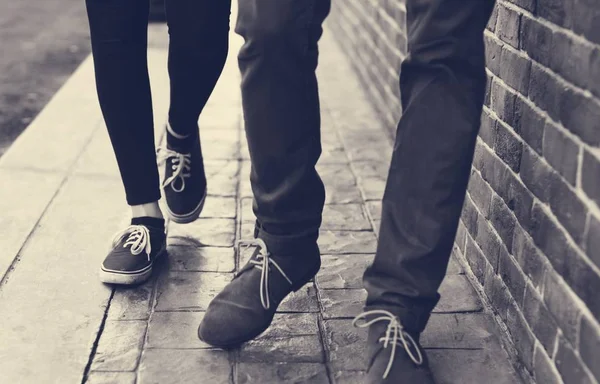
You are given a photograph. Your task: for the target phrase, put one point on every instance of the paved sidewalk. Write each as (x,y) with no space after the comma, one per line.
(62,200)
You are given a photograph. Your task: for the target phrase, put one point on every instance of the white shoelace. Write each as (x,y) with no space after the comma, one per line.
(262,262)
(138,237)
(394,334)
(181,166)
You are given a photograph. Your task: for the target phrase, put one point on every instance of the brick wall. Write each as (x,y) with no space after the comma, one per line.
(530,230)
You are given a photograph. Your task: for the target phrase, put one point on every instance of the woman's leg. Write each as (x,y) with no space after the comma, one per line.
(199,33)
(119,40)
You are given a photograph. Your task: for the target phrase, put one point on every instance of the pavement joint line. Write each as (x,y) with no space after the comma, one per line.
(5,275)
(88,367)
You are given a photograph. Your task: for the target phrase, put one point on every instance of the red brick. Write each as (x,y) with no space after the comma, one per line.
(539,318)
(532,261)
(537,175)
(493,52)
(589,345)
(481,193)
(508,147)
(545,91)
(525,4)
(503,220)
(587,14)
(487,131)
(503,102)
(570,366)
(590,176)
(488,241)
(470,216)
(544,370)
(592,240)
(529,124)
(536,40)
(477,261)
(521,335)
(556,11)
(561,152)
(507,25)
(491,25)
(568,208)
(562,306)
(515,70)
(580,114)
(512,275)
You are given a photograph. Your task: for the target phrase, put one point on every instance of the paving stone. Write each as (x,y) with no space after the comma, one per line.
(220,145)
(462,330)
(203,232)
(366,151)
(171,366)
(245,185)
(176,330)
(340,185)
(342,271)
(337,242)
(219,207)
(456,366)
(222,115)
(22,206)
(376,226)
(374,209)
(372,188)
(346,345)
(454,267)
(291,348)
(189,290)
(120,346)
(349,377)
(56,280)
(246,233)
(201,259)
(303,300)
(333,156)
(98,158)
(298,324)
(297,373)
(367,169)
(247,214)
(222,177)
(131,303)
(342,303)
(345,217)
(291,337)
(111,378)
(458,295)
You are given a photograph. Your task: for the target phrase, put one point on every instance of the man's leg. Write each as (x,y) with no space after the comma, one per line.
(281,113)
(442,86)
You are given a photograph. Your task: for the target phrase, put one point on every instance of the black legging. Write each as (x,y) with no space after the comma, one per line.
(198,47)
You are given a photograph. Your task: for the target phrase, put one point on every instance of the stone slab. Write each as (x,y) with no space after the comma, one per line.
(175,330)
(188,291)
(71,304)
(347,242)
(22,205)
(120,346)
(201,259)
(220,207)
(222,177)
(111,378)
(458,295)
(350,217)
(342,303)
(203,232)
(260,373)
(173,366)
(131,303)
(342,271)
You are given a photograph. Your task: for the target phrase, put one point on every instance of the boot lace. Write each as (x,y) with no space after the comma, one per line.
(138,238)
(394,335)
(181,167)
(263,262)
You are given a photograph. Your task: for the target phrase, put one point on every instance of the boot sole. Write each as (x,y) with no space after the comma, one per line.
(108,276)
(242,340)
(188,217)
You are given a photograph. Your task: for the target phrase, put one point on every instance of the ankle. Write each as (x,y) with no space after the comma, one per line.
(146,210)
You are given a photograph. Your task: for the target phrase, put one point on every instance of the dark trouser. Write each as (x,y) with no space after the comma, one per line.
(282,117)
(198,46)
(442,86)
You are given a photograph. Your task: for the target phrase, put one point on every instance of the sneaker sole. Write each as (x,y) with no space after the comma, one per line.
(188,217)
(109,276)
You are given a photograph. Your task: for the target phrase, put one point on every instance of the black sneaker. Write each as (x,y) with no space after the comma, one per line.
(395,355)
(184,183)
(245,308)
(134,252)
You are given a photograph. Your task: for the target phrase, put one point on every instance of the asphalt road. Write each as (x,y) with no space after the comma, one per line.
(41,43)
